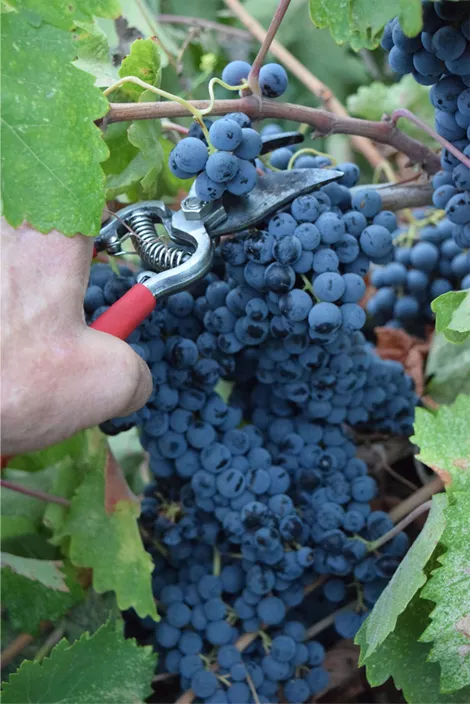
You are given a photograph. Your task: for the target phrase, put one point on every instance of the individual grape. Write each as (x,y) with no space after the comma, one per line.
(363,488)
(428,64)
(305,209)
(329,287)
(280,158)
(325,260)
(222,167)
(347,624)
(287,250)
(195,129)
(208,190)
(400,61)
(354,288)
(458,209)
(308,235)
(235,72)
(281,225)
(273,80)
(295,305)
(367,201)
(245,179)
(279,278)
(448,43)
(190,155)
(240,118)
(204,683)
(325,319)
(250,145)
(297,690)
(225,134)
(317,679)
(353,317)
(331,227)
(376,241)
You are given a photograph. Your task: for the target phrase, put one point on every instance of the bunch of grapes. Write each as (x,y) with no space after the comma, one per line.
(228,163)
(255,499)
(424,268)
(440,57)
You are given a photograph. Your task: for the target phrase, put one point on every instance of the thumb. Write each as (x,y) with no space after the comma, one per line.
(118,381)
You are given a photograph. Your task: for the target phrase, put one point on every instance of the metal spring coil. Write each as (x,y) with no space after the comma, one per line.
(154,254)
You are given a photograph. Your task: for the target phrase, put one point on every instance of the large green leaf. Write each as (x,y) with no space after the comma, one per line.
(51,148)
(376,99)
(405,583)
(360,22)
(449,588)
(104,667)
(444,441)
(447,369)
(37,590)
(104,536)
(404,658)
(452,311)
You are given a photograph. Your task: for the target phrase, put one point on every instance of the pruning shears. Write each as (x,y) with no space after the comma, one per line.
(193,231)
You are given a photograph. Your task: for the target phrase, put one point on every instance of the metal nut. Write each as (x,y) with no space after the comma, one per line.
(195,209)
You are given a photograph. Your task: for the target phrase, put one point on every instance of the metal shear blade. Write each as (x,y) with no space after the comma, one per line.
(273,192)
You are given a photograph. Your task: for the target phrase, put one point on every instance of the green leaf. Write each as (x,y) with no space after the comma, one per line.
(69,475)
(22,514)
(65,15)
(51,148)
(93,52)
(448,369)
(35,591)
(448,587)
(360,22)
(444,441)
(104,534)
(104,667)
(404,658)
(143,62)
(452,311)
(406,581)
(372,101)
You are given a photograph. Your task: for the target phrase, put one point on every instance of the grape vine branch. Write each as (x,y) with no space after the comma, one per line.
(325,123)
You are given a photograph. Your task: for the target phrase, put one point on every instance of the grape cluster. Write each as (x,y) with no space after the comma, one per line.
(253,500)
(231,167)
(425,267)
(229,162)
(440,57)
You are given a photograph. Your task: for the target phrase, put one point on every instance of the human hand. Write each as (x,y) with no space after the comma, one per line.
(58,376)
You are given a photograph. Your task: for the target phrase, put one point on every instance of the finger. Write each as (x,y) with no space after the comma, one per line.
(115,382)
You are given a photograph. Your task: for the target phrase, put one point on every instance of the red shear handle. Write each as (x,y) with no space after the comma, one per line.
(127,313)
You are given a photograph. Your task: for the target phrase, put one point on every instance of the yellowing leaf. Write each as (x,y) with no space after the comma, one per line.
(144,63)
(103,532)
